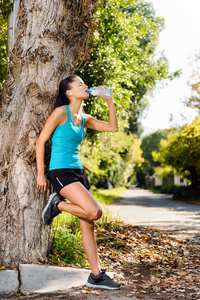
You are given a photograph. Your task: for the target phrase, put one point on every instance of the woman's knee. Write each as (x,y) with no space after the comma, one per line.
(95,214)
(98,213)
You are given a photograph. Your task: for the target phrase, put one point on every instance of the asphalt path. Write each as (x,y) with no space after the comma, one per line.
(143,207)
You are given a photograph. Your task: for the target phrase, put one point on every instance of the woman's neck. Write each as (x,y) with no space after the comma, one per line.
(75,107)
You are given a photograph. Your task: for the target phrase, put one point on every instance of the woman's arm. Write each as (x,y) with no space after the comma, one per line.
(98,125)
(55,119)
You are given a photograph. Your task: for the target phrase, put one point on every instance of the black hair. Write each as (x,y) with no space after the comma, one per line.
(62,98)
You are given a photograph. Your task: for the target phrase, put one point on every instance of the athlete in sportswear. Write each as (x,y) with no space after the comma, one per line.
(66,126)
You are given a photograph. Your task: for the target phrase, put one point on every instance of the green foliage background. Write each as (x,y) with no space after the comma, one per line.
(5,9)
(176,150)
(123,56)
(150,144)
(182,152)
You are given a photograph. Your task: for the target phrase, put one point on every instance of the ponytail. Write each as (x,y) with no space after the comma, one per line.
(65,85)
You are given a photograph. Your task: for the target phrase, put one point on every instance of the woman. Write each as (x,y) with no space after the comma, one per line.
(66,125)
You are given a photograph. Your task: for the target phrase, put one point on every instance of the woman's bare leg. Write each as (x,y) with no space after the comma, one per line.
(90,245)
(84,206)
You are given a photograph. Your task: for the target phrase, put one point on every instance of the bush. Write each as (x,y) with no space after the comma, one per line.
(178,192)
(108,222)
(181,192)
(66,243)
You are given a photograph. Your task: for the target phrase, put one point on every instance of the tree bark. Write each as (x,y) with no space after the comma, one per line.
(51,36)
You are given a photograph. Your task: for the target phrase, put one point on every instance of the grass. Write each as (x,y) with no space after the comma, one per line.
(67,247)
(107,196)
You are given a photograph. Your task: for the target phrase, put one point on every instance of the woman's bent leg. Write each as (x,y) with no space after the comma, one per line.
(82,203)
(87,209)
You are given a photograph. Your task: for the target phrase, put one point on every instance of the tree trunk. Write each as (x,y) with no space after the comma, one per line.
(51,36)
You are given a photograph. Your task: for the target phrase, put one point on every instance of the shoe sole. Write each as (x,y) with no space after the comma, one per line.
(47,206)
(102,286)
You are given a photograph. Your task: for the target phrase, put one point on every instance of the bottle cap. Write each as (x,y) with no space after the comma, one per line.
(88,90)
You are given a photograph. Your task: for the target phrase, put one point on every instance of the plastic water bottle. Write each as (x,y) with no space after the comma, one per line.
(101,91)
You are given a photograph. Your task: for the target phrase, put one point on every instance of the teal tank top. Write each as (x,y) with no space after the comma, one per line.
(65,144)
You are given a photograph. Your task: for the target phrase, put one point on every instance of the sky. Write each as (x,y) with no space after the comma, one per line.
(179,40)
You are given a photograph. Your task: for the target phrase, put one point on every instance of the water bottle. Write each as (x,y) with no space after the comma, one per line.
(101,91)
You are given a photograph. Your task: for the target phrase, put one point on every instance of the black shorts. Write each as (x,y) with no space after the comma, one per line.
(62,177)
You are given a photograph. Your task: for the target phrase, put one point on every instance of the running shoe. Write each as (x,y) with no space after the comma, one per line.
(51,210)
(102,281)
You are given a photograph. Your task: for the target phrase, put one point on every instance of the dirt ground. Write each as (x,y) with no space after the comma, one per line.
(128,291)
(149,264)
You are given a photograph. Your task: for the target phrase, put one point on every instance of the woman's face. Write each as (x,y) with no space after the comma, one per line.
(78,89)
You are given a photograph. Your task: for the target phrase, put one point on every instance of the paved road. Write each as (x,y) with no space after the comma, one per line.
(143,207)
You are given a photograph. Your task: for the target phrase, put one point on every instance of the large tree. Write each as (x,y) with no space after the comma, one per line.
(50,37)
(182,152)
(124,56)
(150,143)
